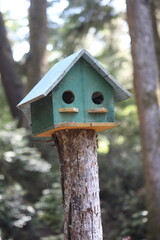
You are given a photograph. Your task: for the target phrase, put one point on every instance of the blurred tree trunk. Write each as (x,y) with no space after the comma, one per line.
(156,34)
(146,78)
(11,81)
(36,64)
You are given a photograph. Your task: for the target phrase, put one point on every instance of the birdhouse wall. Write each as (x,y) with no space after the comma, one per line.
(83,81)
(75,93)
(42,114)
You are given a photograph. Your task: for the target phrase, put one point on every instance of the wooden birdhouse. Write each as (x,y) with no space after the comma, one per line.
(77,92)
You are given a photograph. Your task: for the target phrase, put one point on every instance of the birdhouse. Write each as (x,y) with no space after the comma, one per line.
(77,92)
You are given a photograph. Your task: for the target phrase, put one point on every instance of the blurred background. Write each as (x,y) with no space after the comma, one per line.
(34,35)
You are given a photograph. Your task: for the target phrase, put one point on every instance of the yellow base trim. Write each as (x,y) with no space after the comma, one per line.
(97,126)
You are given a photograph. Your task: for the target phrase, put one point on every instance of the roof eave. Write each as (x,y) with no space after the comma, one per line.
(119,92)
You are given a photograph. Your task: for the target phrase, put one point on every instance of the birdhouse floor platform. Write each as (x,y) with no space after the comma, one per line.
(97,126)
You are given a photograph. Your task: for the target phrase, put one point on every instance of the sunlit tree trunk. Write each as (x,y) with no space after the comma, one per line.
(36,63)
(80,184)
(11,81)
(146,78)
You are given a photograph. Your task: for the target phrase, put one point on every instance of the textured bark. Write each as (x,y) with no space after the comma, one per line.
(11,81)
(146,78)
(80,184)
(156,34)
(36,64)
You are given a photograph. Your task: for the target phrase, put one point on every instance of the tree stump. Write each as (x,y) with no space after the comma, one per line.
(80,184)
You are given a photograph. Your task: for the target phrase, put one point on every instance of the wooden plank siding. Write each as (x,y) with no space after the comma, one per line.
(42,113)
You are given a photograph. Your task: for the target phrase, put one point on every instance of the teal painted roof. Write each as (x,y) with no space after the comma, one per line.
(59,70)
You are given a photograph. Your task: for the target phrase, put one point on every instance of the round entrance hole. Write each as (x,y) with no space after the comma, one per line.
(68,97)
(97,97)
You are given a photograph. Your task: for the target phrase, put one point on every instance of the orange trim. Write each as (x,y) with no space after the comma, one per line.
(97,126)
(71,109)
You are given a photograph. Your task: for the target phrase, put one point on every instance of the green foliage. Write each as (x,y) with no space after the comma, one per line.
(49,205)
(29,202)
(80,17)
(98,27)
(121,178)
(5,114)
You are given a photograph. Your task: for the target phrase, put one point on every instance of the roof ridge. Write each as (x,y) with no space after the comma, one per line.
(60,69)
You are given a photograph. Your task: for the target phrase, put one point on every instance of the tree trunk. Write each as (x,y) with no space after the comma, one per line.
(146,78)
(80,184)
(156,34)
(11,81)
(36,64)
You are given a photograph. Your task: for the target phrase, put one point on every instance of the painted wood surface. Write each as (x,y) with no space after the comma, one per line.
(82,80)
(68,110)
(93,82)
(42,113)
(98,110)
(71,82)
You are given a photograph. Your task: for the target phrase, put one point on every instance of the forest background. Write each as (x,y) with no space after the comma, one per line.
(32,38)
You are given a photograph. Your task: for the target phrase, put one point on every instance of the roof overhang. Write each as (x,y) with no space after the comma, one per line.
(59,70)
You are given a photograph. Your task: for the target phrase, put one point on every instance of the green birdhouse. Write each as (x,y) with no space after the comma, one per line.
(77,92)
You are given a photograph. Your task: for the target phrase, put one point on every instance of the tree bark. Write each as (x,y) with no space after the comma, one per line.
(146,78)
(80,184)
(36,62)
(156,34)
(11,81)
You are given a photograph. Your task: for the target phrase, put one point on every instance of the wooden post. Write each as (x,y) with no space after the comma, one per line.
(80,184)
